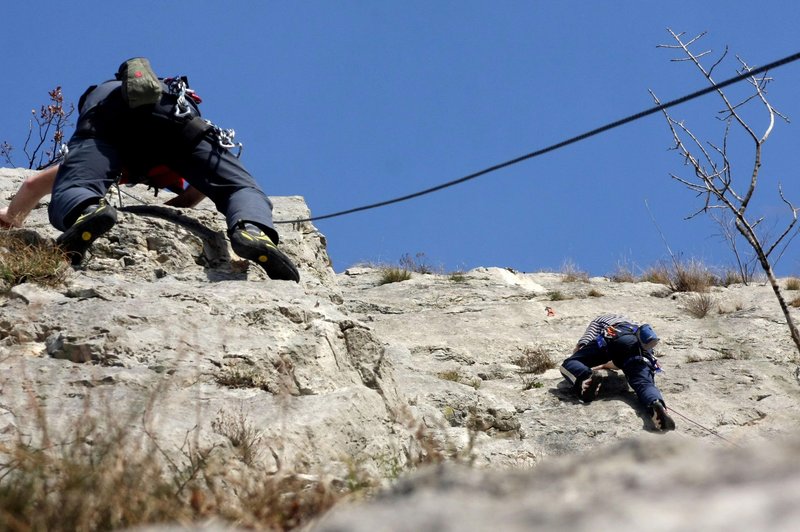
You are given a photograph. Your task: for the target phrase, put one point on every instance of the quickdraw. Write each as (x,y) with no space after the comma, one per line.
(178,87)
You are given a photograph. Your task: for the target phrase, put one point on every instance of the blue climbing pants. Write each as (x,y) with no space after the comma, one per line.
(625,355)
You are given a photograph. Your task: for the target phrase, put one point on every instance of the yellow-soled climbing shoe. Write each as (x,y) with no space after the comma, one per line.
(250,242)
(94,222)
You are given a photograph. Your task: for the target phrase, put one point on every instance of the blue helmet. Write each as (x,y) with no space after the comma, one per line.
(647,336)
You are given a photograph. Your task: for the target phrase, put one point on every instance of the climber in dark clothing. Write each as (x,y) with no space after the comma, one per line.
(113,133)
(612,341)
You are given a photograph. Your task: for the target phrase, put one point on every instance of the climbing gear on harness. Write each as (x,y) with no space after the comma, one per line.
(250,242)
(179,87)
(661,419)
(140,85)
(196,127)
(645,336)
(92,223)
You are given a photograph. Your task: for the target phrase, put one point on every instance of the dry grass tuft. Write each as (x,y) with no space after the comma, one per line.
(408,265)
(393,274)
(534,360)
(417,264)
(556,295)
(700,305)
(457,277)
(730,277)
(692,276)
(456,376)
(623,274)
(658,274)
(793,283)
(24,259)
(688,276)
(242,376)
(108,474)
(620,276)
(571,273)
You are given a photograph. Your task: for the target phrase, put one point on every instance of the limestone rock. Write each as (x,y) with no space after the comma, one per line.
(165,330)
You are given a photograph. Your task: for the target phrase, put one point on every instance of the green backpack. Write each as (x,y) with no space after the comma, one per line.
(140,85)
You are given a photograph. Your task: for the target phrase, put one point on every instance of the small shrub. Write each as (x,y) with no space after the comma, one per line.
(730,277)
(454,376)
(239,432)
(795,302)
(241,377)
(392,274)
(657,274)
(692,276)
(622,274)
(793,283)
(534,360)
(458,277)
(51,121)
(572,274)
(556,295)
(529,383)
(35,261)
(416,264)
(700,305)
(595,293)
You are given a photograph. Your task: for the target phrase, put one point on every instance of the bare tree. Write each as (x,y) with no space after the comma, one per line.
(43,143)
(713,178)
(746,261)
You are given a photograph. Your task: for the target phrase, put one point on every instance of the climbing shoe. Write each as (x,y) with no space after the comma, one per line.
(250,242)
(92,223)
(661,420)
(589,388)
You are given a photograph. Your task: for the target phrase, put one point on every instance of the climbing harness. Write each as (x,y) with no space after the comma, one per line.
(183,111)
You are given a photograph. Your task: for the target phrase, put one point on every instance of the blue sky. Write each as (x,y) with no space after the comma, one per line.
(353,102)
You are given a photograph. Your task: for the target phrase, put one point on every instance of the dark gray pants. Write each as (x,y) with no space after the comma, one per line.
(141,141)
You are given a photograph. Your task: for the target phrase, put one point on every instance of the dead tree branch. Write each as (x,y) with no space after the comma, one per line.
(713,176)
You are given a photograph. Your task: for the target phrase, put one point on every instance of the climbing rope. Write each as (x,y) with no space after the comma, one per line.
(683,99)
(715,433)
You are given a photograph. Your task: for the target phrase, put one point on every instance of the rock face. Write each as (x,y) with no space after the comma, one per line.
(167,330)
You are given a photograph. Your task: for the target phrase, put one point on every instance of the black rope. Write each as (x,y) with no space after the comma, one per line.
(553,147)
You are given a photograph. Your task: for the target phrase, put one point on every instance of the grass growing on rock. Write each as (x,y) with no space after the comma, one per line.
(700,305)
(23,260)
(534,360)
(571,273)
(106,475)
(456,376)
(556,295)
(393,274)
